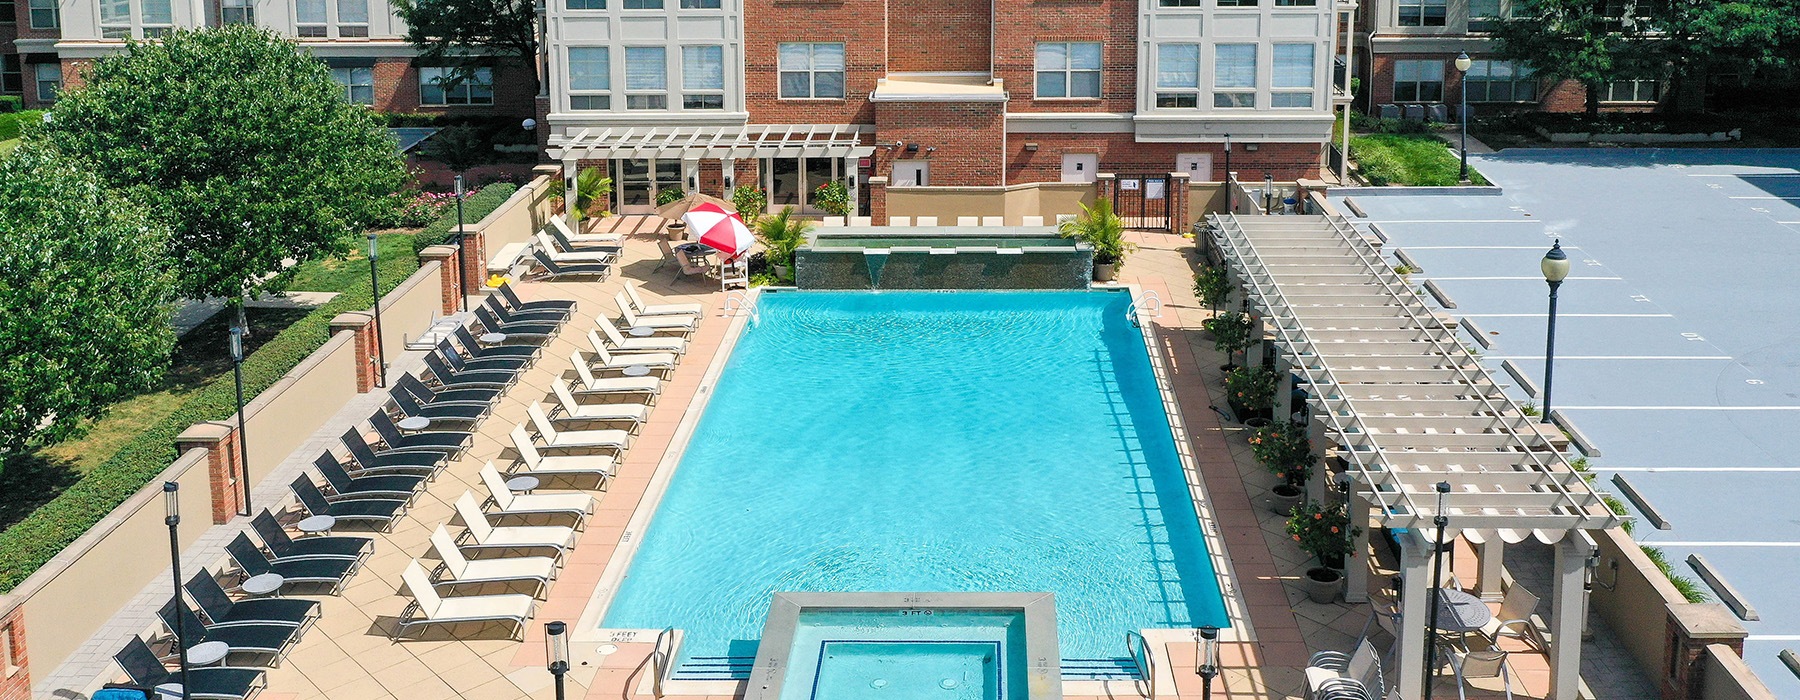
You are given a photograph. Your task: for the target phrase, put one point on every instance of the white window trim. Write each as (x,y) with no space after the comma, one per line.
(1400,5)
(350,86)
(723,81)
(1156,88)
(568,79)
(629,92)
(1312,90)
(37,81)
(1442,81)
(447,88)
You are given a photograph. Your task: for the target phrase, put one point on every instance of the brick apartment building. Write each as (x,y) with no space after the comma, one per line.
(786,95)
(1406,52)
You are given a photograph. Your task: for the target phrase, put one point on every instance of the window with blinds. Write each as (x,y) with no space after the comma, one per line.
(590,78)
(1177,76)
(1234,76)
(1418,81)
(646,77)
(702,77)
(353,18)
(1291,84)
(443,86)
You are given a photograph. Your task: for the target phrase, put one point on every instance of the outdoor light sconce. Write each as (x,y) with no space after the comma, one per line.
(931,149)
(850,182)
(898,145)
(912,148)
(1250,147)
(1208,663)
(556,638)
(529,124)
(694,181)
(729,181)
(1031,146)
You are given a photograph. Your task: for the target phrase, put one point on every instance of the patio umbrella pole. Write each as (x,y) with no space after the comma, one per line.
(1437,587)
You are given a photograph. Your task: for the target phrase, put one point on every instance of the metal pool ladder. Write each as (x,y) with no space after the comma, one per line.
(659,659)
(1147,303)
(1140,653)
(740,301)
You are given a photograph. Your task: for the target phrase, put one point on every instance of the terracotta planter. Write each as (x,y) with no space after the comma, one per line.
(1284,497)
(1323,585)
(677,231)
(1105,272)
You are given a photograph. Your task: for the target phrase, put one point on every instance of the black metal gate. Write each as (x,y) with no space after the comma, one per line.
(1142,201)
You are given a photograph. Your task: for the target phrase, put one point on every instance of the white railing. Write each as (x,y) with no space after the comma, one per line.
(660,655)
(738,301)
(1146,304)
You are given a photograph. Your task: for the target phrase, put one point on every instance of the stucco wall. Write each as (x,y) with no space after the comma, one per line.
(409,309)
(278,420)
(1014,202)
(1729,678)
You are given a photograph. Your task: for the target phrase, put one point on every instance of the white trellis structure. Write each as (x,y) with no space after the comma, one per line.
(1408,407)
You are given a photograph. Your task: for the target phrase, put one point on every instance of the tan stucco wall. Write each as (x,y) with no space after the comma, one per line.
(278,420)
(523,214)
(410,308)
(1045,199)
(1727,677)
(1637,604)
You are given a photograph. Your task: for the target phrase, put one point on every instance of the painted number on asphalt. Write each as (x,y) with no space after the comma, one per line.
(1692,336)
(1715,186)
(1754,381)
(1639,297)
(1592,262)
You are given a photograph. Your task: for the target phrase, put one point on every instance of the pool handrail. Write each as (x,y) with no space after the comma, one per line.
(659,659)
(1147,665)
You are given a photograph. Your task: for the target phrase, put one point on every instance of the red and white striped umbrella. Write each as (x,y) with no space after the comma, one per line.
(719,229)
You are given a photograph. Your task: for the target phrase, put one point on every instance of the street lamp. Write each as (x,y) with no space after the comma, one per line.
(1268,192)
(172,518)
(237,379)
(375,289)
(461,249)
(1440,521)
(1462,66)
(557,639)
(1556,269)
(1208,663)
(1230,201)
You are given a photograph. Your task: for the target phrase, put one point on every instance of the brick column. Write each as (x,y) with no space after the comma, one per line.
(449,278)
(15,664)
(1693,626)
(223,467)
(368,365)
(1180,185)
(878,200)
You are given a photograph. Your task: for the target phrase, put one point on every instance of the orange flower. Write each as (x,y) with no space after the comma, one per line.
(1334,530)
(1296,538)
(1319,516)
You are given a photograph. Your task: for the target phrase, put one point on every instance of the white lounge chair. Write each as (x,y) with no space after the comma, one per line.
(579,505)
(533,463)
(428,608)
(573,439)
(928,221)
(993,221)
(862,221)
(605,239)
(568,409)
(900,221)
(606,360)
(619,343)
(968,221)
(832,221)
(1032,221)
(643,309)
(482,534)
(630,319)
(611,385)
(549,247)
(458,569)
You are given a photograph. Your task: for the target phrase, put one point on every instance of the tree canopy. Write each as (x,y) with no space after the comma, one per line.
(83,277)
(1581,40)
(462,32)
(241,144)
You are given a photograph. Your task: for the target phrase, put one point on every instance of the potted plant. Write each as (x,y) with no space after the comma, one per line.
(592,190)
(782,233)
(669,195)
(1250,391)
(1100,228)
(1212,285)
(1231,335)
(832,198)
(1285,451)
(1324,532)
(750,203)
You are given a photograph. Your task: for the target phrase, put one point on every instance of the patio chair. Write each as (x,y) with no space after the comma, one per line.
(900,221)
(1481,663)
(554,439)
(1331,674)
(612,385)
(630,318)
(734,273)
(370,462)
(451,397)
(531,331)
(369,510)
(262,640)
(449,442)
(205,683)
(332,572)
(346,487)
(548,245)
(1514,618)
(833,221)
(553,269)
(689,266)
(482,534)
(516,304)
(928,221)
(282,546)
(454,359)
(225,612)
(452,379)
(428,608)
(576,504)
(457,569)
(507,315)
(617,341)
(570,410)
(862,221)
(534,463)
(409,406)
(643,309)
(606,242)
(562,228)
(604,360)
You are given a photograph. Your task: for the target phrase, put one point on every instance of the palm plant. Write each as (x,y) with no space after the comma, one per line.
(592,188)
(1099,227)
(782,233)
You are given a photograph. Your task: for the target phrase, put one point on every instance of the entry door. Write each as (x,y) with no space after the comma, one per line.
(1198,166)
(1080,167)
(912,173)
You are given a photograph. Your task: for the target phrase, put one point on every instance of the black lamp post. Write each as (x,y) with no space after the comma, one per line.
(1230,202)
(1440,521)
(375,289)
(172,518)
(237,379)
(1556,268)
(462,249)
(1268,193)
(1462,66)
(1208,663)
(556,637)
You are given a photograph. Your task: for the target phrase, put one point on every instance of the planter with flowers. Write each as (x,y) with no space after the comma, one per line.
(1284,450)
(1231,335)
(833,198)
(1324,532)
(1250,392)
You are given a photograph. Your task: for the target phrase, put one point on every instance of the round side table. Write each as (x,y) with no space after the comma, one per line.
(492,338)
(207,653)
(318,524)
(413,423)
(636,370)
(262,584)
(641,331)
(522,484)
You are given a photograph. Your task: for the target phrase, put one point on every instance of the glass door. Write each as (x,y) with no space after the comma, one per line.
(784,182)
(631,180)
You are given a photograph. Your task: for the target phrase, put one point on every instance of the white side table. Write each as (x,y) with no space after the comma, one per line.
(641,331)
(523,484)
(636,370)
(207,653)
(492,338)
(413,423)
(263,584)
(318,524)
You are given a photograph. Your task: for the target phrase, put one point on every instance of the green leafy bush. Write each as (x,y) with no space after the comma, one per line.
(13,125)
(833,198)
(11,103)
(750,203)
(477,206)
(1285,451)
(1323,531)
(669,196)
(1376,125)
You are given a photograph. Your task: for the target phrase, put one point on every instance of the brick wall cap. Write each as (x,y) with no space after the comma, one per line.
(1707,621)
(878,180)
(1181,176)
(350,319)
(204,432)
(436,252)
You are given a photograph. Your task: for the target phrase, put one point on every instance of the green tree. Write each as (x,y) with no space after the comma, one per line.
(244,147)
(458,147)
(1592,42)
(1741,35)
(463,33)
(81,270)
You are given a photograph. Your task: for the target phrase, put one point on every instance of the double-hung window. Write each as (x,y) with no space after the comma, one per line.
(49,80)
(1418,81)
(699,4)
(443,86)
(702,77)
(353,18)
(1068,69)
(1423,13)
(585,4)
(1500,81)
(643,4)
(646,77)
(237,11)
(1177,75)
(1237,3)
(358,82)
(1292,82)
(590,78)
(1484,15)
(12,74)
(1177,3)
(8,12)
(1234,75)
(115,19)
(44,14)
(812,71)
(1296,3)
(310,20)
(157,17)
(1632,91)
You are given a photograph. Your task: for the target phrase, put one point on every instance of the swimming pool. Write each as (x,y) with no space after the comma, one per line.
(927,441)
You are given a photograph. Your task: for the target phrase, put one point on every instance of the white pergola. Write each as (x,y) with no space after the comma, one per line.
(727,144)
(1408,407)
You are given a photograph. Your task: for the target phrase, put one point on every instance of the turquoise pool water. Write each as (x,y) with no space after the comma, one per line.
(948,655)
(927,441)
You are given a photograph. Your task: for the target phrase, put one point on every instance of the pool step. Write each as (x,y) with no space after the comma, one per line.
(1118,668)
(714,668)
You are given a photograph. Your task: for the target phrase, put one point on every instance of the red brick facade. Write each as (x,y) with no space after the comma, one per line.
(15,663)
(962,140)
(1024,23)
(940,36)
(855,23)
(224,468)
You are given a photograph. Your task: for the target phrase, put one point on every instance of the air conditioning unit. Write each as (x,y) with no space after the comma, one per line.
(1389,111)
(1437,112)
(1415,113)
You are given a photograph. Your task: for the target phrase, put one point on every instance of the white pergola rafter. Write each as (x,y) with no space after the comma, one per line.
(714,142)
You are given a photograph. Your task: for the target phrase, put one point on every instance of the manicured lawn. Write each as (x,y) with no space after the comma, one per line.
(339,275)
(1419,160)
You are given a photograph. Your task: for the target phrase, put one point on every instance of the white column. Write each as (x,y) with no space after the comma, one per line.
(569,174)
(1356,569)
(728,172)
(855,180)
(1490,556)
(690,175)
(1415,614)
(1567,613)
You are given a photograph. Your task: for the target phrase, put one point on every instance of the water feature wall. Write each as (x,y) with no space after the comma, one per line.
(1049,267)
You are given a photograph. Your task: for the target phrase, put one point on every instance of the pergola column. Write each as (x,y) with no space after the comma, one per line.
(1568,611)
(728,172)
(569,171)
(690,175)
(1356,571)
(1415,613)
(855,185)
(1490,556)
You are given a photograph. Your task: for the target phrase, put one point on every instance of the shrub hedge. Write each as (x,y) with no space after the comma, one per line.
(476,207)
(11,103)
(31,542)
(12,124)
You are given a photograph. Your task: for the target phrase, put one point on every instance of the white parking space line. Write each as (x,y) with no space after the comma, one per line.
(1563,315)
(1765,196)
(1678,408)
(1560,358)
(1476,247)
(1705,469)
(1788,174)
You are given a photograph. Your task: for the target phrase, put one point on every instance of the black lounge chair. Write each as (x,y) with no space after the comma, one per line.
(370,510)
(510,315)
(476,351)
(270,640)
(451,397)
(452,413)
(347,487)
(528,331)
(319,547)
(449,442)
(452,379)
(207,683)
(254,562)
(554,269)
(516,304)
(369,461)
(458,363)
(225,612)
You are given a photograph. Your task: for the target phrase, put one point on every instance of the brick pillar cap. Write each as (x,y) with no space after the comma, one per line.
(1311,184)
(1181,175)
(204,432)
(880,180)
(436,252)
(1105,176)
(1706,621)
